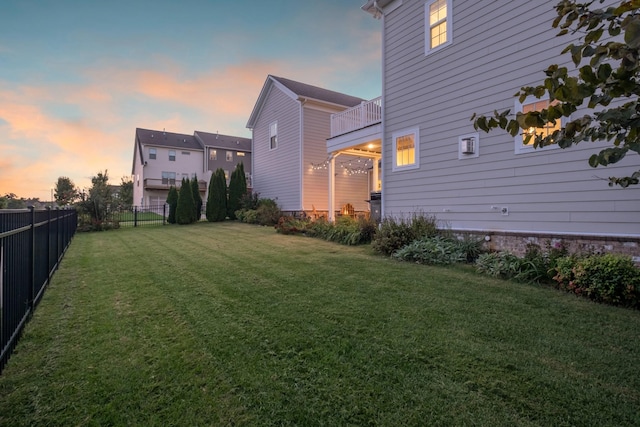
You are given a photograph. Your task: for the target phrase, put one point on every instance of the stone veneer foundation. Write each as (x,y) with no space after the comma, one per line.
(518,242)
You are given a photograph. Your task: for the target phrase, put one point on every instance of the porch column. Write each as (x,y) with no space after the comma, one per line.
(376,173)
(332,187)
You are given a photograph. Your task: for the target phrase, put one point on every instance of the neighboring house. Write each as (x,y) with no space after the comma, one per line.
(162,159)
(225,152)
(291,122)
(443,61)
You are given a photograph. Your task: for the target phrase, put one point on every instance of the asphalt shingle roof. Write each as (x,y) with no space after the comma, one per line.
(315,92)
(224,141)
(167,139)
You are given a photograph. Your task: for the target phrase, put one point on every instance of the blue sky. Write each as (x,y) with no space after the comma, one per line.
(77,77)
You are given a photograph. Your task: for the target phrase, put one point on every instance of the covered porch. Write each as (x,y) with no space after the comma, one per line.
(355,146)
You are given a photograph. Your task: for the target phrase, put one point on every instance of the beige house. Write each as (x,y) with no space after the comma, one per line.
(162,159)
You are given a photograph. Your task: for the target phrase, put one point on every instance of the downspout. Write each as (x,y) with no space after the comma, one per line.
(300,159)
(384,120)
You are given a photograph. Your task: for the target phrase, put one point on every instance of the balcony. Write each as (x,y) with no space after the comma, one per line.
(166,183)
(358,117)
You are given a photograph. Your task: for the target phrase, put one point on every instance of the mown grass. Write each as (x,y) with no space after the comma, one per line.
(231,324)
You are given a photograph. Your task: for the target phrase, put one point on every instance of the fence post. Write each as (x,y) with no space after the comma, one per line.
(49,240)
(32,255)
(135,216)
(164,213)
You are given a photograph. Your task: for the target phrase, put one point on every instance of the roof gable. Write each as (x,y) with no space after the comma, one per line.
(300,91)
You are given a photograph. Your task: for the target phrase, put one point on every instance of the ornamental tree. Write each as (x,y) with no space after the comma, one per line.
(172,201)
(607,71)
(237,189)
(185,212)
(217,199)
(65,192)
(197,198)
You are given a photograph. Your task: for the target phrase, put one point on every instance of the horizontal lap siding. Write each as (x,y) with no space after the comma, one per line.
(495,51)
(351,189)
(317,129)
(276,173)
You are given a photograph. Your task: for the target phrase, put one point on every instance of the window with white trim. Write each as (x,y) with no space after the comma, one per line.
(152,153)
(172,155)
(229,156)
(438,25)
(213,154)
(406,149)
(535,104)
(273,136)
(169,178)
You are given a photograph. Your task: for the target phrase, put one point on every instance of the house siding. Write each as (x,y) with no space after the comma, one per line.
(277,172)
(495,51)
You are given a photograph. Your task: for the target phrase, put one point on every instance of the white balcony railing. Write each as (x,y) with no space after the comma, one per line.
(358,117)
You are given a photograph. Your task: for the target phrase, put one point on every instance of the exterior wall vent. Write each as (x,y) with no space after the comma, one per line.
(468,145)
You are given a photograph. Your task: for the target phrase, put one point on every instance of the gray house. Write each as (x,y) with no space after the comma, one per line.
(443,61)
(291,122)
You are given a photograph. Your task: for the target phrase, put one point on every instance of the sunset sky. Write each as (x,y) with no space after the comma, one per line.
(77,77)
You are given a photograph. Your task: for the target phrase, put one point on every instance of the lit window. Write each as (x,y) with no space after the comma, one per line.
(152,153)
(213,154)
(226,175)
(438,31)
(240,154)
(172,155)
(405,150)
(534,104)
(273,136)
(229,156)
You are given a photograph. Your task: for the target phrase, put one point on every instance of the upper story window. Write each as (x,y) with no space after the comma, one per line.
(240,154)
(273,136)
(213,154)
(172,155)
(534,104)
(152,153)
(406,149)
(169,178)
(229,156)
(438,28)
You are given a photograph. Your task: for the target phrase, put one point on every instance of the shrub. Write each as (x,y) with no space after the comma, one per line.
(237,188)
(471,246)
(185,211)
(609,278)
(432,250)
(291,225)
(397,233)
(197,199)
(216,209)
(268,212)
(172,201)
(498,264)
(319,228)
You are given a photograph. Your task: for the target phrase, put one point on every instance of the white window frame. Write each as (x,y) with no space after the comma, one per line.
(229,156)
(153,153)
(213,154)
(172,155)
(273,135)
(520,148)
(427,27)
(416,148)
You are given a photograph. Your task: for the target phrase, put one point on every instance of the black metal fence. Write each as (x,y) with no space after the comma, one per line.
(32,243)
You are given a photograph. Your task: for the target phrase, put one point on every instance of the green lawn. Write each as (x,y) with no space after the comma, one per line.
(232,324)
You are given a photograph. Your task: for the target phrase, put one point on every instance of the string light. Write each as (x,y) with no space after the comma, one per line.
(351,167)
